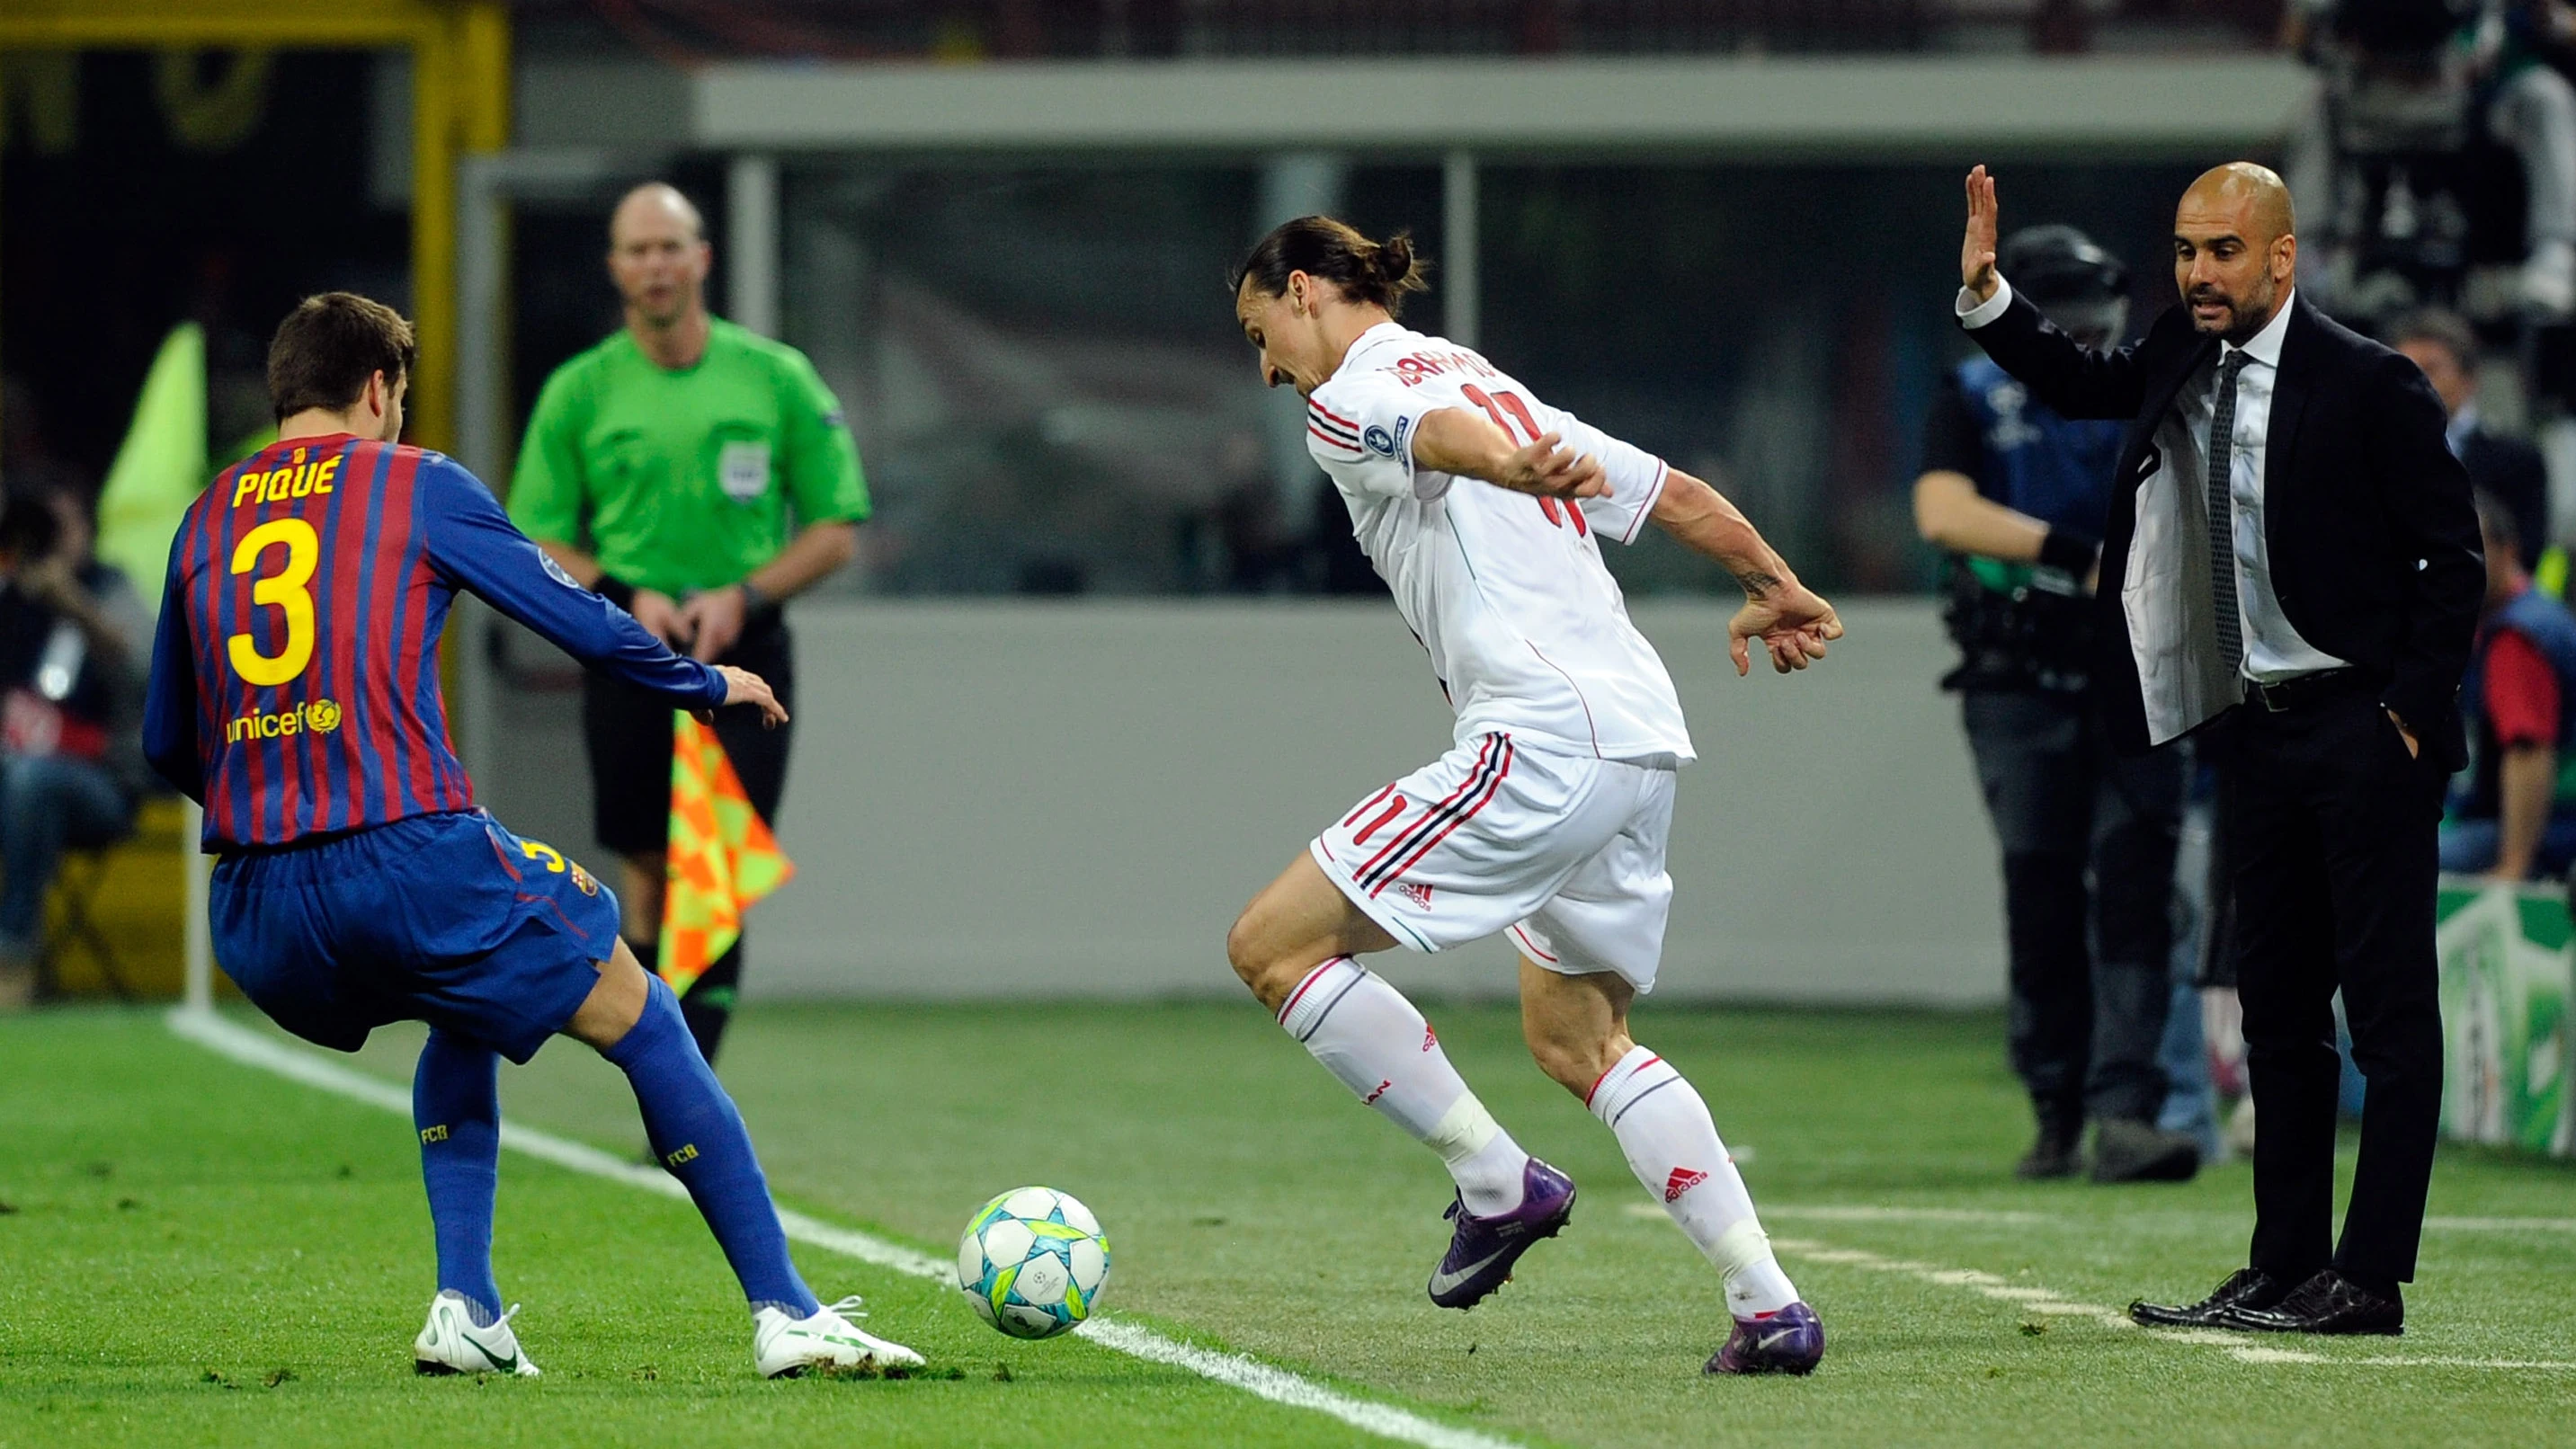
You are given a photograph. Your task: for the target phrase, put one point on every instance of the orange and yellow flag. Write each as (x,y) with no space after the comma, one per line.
(722,857)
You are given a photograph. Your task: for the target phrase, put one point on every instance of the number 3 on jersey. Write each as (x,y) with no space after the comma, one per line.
(289,589)
(1497,404)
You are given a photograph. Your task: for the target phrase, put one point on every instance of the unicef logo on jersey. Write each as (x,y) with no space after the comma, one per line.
(1380,441)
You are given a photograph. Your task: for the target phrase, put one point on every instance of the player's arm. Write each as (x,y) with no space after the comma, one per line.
(1374,435)
(1792,621)
(1471,445)
(170,697)
(474,544)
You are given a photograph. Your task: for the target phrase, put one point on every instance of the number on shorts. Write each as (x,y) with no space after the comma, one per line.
(539,850)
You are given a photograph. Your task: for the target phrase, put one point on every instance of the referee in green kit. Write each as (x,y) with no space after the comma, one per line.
(661,468)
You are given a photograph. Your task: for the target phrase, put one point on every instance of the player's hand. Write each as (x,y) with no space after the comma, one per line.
(1550,469)
(661,617)
(1794,624)
(714,622)
(744,687)
(1977,252)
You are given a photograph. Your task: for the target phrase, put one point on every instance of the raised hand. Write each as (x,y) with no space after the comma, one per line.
(1794,624)
(1977,251)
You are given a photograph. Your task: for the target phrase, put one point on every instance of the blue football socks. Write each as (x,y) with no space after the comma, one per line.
(699,1137)
(456,1104)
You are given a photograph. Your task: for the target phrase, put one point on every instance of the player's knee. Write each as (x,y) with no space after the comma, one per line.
(614,1005)
(1246,952)
(1574,1055)
(1262,964)
(1567,1063)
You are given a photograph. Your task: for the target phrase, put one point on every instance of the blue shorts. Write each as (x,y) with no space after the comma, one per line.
(448,919)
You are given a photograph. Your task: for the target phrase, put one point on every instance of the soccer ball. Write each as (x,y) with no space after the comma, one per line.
(1033,1262)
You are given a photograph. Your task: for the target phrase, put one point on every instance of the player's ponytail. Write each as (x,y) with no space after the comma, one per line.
(1334,251)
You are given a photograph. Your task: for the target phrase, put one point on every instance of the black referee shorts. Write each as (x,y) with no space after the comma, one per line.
(629,735)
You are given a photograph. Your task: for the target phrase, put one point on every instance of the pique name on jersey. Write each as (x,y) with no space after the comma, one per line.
(314,716)
(293,479)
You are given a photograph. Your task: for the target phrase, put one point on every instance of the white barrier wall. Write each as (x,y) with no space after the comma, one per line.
(1075,799)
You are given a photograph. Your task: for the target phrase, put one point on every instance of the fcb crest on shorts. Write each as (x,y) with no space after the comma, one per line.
(581,879)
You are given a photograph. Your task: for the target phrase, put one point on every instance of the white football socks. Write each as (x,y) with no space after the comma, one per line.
(1368,1035)
(1672,1146)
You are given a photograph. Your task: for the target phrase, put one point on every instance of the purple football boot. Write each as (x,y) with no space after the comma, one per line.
(1483,1250)
(1789,1341)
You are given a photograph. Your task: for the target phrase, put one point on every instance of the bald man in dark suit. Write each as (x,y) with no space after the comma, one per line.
(2292,560)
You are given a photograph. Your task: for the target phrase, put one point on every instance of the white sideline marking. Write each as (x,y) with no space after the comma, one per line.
(252,1048)
(2503,1225)
(2002,1217)
(2059,1308)
(1856,1213)
(1839,1213)
(2243,1347)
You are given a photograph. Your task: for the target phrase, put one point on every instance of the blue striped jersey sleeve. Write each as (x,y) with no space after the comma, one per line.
(474,546)
(170,699)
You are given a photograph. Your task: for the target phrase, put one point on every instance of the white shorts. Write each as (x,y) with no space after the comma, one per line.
(1564,852)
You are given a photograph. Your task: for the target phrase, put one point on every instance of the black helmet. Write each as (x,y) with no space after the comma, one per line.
(2056,263)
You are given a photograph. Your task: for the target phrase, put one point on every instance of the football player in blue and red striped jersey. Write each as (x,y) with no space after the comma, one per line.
(295,695)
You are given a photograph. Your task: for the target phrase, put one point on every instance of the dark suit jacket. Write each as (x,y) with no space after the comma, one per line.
(2372,539)
(2512,470)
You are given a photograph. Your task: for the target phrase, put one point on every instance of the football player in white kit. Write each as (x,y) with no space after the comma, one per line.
(1485,510)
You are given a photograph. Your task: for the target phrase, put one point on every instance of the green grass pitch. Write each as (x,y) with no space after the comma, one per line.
(195,1252)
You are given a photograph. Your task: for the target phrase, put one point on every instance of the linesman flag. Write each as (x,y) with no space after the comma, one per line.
(160,468)
(722,856)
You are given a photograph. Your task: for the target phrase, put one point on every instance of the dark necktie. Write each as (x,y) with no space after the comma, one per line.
(2222,512)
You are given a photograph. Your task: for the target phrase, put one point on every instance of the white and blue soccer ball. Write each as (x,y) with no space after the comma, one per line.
(1033,1262)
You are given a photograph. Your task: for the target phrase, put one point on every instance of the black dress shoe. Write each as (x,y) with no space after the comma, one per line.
(2244,1288)
(2326,1303)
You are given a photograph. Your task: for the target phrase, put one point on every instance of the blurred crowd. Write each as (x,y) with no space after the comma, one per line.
(75,641)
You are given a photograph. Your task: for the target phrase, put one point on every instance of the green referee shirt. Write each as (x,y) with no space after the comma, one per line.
(682,479)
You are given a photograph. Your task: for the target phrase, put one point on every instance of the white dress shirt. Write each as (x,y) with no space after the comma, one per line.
(2273,650)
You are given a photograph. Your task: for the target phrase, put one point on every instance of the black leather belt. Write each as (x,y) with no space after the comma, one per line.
(2307,689)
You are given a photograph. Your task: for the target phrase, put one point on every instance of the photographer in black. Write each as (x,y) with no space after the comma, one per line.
(2019,497)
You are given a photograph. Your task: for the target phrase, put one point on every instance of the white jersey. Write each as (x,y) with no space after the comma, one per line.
(1526,628)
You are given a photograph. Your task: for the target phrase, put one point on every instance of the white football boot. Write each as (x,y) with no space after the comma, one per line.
(450,1343)
(785,1347)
